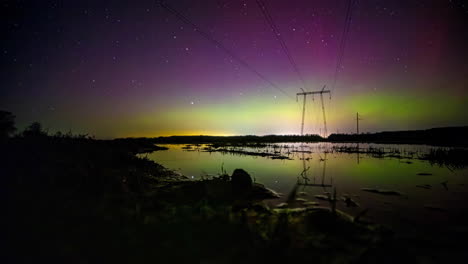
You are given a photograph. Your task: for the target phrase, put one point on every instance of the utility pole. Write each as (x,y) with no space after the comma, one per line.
(304,93)
(357,122)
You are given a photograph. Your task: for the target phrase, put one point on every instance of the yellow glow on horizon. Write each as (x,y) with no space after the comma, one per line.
(282,116)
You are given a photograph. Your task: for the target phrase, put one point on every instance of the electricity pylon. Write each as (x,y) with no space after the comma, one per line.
(321,92)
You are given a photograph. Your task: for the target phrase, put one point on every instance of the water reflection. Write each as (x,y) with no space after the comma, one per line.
(312,172)
(304,179)
(357,153)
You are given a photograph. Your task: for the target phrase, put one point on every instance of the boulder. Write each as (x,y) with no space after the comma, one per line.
(241,182)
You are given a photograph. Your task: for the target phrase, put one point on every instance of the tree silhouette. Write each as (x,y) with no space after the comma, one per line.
(34,130)
(7,124)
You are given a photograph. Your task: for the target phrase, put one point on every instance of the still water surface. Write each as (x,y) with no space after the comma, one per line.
(316,163)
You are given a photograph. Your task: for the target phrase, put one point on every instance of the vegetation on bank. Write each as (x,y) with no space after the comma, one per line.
(450,157)
(91,200)
(71,198)
(445,136)
(448,136)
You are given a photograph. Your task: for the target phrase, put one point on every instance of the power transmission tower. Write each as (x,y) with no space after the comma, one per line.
(321,92)
(303,109)
(357,122)
(323,111)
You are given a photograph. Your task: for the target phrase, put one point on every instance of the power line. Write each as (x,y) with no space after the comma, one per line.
(344,37)
(277,34)
(218,44)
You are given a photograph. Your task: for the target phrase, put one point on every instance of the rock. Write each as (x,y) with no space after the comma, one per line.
(349,202)
(282,205)
(297,210)
(241,182)
(260,192)
(322,197)
(292,211)
(311,204)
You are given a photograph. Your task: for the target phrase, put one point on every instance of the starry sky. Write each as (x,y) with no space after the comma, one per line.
(121,68)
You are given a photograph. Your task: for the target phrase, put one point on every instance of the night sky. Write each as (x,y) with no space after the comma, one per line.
(131,68)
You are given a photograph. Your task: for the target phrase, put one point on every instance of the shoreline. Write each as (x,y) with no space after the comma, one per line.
(447,136)
(98,197)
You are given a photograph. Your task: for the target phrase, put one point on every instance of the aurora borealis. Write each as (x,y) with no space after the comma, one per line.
(118,69)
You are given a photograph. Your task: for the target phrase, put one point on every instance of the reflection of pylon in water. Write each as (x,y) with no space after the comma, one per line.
(304,168)
(331,196)
(324,168)
(324,172)
(306,179)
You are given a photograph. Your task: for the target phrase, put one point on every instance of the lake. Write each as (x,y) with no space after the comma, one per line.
(423,194)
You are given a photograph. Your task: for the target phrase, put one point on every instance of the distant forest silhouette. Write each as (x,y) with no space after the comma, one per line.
(446,136)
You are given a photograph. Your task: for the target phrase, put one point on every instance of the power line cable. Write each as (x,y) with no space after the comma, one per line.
(344,38)
(218,44)
(274,28)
